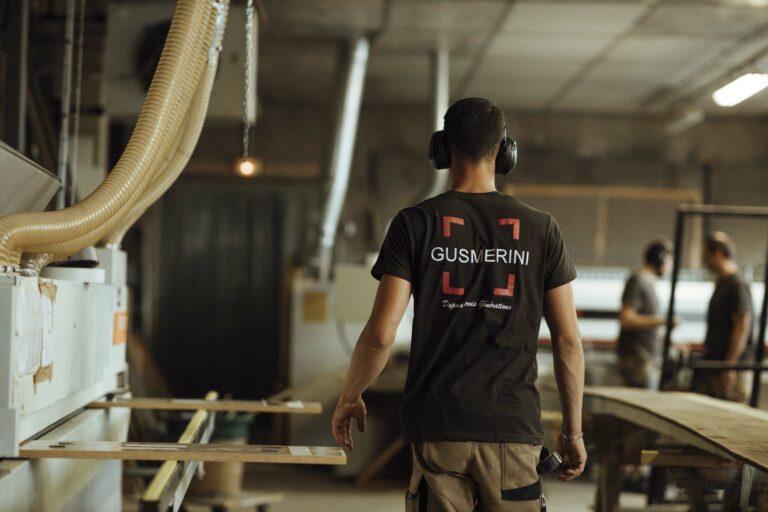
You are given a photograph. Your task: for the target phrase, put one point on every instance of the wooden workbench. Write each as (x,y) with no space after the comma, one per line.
(723,428)
(730,437)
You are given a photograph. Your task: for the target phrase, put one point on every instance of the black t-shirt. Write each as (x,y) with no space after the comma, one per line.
(732,296)
(479,265)
(640,295)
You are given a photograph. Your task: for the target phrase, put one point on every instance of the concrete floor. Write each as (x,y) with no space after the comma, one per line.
(313,490)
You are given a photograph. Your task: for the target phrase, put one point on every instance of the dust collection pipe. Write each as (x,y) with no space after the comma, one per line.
(171,166)
(187,138)
(169,147)
(185,147)
(175,80)
(343,148)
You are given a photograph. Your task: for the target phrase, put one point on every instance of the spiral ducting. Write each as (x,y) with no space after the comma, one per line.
(170,95)
(178,161)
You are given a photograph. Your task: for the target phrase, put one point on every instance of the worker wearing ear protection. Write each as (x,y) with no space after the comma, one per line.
(483,267)
(639,346)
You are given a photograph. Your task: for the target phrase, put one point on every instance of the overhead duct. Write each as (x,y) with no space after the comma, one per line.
(176,79)
(441,66)
(187,133)
(167,170)
(343,149)
(184,149)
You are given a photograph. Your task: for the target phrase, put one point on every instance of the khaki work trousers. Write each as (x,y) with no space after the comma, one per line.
(473,476)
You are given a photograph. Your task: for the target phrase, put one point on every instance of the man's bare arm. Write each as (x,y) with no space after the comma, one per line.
(370,355)
(568,354)
(630,319)
(738,341)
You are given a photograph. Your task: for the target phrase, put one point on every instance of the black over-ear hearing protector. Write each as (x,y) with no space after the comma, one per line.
(440,155)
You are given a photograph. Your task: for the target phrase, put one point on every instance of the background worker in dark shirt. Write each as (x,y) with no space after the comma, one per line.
(729,323)
(639,342)
(482,267)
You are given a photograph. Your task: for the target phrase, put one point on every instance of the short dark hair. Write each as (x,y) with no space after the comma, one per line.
(656,251)
(474,127)
(720,241)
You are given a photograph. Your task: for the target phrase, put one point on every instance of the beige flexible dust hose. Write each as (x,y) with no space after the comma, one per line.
(181,149)
(171,147)
(174,82)
(173,169)
(166,148)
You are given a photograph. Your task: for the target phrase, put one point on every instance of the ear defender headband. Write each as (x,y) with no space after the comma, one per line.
(440,155)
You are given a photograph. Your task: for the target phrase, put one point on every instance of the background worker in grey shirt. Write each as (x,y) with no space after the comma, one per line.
(729,323)
(639,341)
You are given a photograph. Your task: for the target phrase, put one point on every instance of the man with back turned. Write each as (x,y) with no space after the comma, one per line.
(483,268)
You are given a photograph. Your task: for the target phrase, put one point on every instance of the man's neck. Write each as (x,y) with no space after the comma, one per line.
(650,270)
(473,177)
(728,268)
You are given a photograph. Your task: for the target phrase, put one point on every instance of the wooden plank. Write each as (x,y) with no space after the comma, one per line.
(242,500)
(679,458)
(170,484)
(181,451)
(727,429)
(181,404)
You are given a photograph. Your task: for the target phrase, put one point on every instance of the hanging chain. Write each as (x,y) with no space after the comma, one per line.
(247,96)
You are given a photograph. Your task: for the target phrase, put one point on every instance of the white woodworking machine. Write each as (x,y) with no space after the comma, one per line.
(64,402)
(62,345)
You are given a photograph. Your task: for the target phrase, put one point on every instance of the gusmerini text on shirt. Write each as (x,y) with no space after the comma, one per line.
(453,254)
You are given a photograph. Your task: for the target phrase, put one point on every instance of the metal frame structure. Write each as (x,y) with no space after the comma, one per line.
(757,366)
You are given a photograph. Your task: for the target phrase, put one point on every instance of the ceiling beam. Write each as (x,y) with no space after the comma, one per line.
(482,50)
(685,96)
(569,85)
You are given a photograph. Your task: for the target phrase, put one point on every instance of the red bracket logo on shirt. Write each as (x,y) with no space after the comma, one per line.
(509,291)
(515,223)
(447,221)
(447,289)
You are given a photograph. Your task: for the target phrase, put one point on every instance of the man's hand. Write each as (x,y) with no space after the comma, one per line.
(370,355)
(342,420)
(574,457)
(726,382)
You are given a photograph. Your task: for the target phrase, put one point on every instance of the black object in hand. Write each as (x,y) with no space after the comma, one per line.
(548,461)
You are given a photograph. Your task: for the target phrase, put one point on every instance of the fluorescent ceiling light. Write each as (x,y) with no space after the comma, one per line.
(740,89)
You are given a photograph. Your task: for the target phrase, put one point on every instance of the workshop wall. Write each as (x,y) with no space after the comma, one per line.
(391,171)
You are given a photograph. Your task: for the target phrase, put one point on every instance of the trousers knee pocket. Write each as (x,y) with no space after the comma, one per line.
(519,480)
